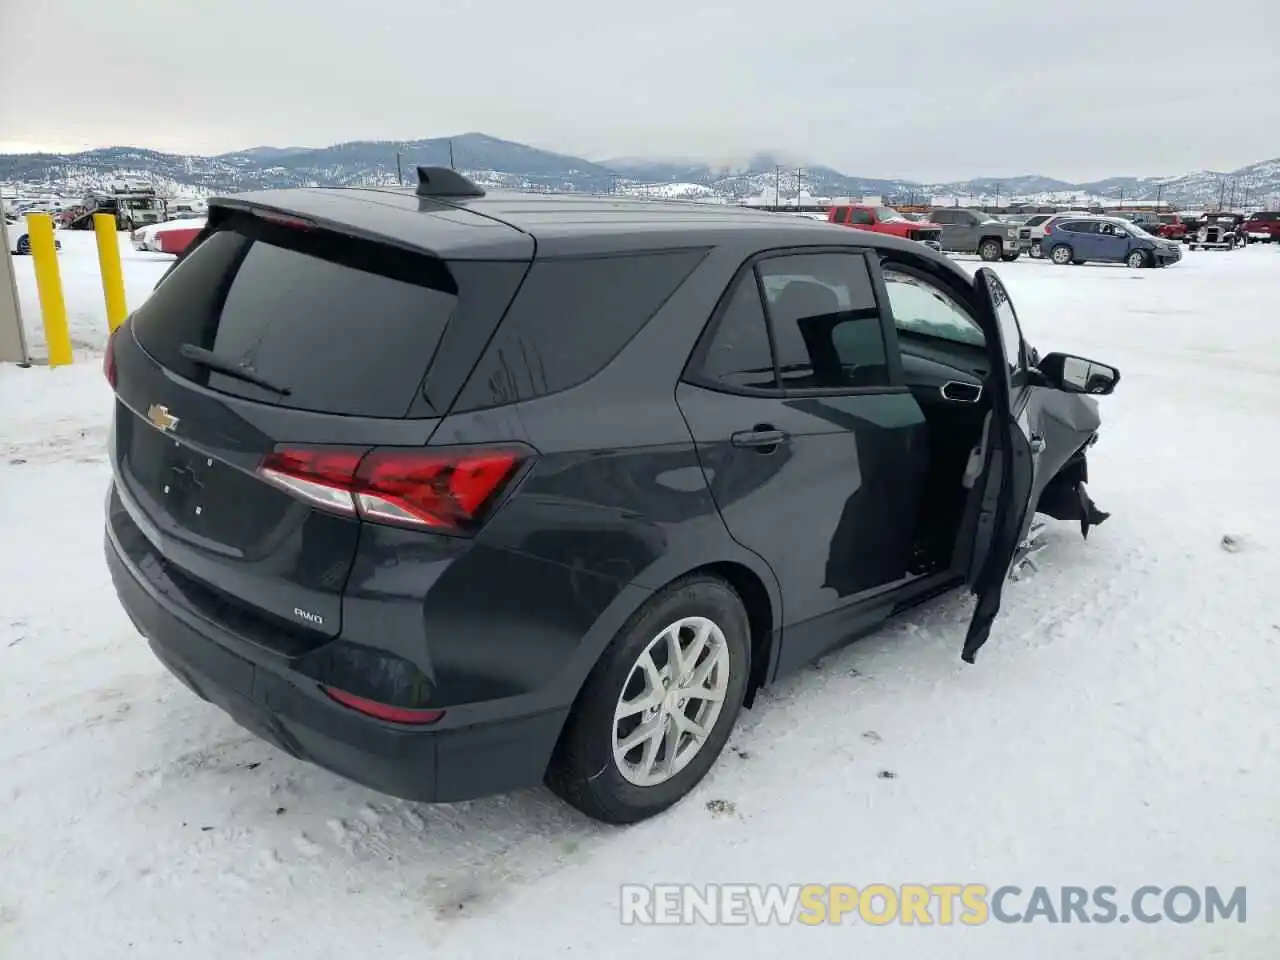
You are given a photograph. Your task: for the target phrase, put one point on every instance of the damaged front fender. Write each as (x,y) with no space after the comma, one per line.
(1065,497)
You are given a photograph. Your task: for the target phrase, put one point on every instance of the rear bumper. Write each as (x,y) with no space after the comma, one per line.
(289,710)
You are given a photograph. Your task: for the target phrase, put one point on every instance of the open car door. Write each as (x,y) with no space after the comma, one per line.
(1007,461)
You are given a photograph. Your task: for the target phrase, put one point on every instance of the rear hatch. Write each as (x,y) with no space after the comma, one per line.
(273,335)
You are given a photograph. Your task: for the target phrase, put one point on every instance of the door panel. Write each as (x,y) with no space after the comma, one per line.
(831,506)
(1009,474)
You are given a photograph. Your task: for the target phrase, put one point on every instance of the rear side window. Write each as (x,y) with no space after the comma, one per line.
(1080,226)
(345,326)
(862,217)
(739,355)
(570,318)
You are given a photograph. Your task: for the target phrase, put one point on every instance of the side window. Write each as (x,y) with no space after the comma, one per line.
(1080,226)
(825,320)
(861,217)
(1010,332)
(570,318)
(942,216)
(922,309)
(739,355)
(842,215)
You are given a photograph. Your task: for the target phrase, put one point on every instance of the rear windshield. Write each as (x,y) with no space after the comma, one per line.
(346,326)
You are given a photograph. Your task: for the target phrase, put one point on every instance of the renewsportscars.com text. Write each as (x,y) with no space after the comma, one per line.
(942,904)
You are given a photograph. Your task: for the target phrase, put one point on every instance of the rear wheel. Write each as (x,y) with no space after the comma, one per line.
(658,707)
(1036,252)
(1137,259)
(23,246)
(990,250)
(1010,257)
(1062,254)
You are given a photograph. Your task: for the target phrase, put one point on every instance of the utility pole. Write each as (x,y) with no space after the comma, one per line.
(997,196)
(1159,192)
(798,188)
(399,172)
(451,166)
(777,187)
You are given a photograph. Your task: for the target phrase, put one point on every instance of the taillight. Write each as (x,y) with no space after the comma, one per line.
(446,491)
(1048,229)
(109,358)
(383,711)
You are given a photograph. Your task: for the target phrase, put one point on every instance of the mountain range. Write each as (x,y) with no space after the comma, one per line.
(496,162)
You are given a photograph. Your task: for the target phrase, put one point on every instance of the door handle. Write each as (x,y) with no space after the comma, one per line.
(763,438)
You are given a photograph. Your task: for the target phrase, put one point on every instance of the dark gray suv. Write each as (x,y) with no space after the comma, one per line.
(453,493)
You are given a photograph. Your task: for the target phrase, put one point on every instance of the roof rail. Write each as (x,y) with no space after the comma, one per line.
(444,182)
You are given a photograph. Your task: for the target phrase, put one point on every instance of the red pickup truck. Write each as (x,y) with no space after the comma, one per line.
(1171,226)
(885,220)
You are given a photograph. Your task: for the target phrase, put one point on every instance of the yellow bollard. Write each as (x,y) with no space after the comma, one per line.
(104,227)
(53,309)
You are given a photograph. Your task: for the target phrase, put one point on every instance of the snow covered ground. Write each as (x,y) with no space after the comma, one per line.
(1121,727)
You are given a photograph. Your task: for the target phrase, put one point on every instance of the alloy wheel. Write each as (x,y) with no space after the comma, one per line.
(670,701)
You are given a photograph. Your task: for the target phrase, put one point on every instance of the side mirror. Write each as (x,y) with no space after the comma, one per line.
(1072,374)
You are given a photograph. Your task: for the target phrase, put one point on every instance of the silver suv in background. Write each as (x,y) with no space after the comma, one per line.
(965,230)
(1031,233)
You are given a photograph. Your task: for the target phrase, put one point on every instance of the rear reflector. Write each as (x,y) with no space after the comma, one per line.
(445,491)
(109,358)
(383,711)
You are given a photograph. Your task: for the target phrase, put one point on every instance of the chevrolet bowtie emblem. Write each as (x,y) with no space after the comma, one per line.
(161,417)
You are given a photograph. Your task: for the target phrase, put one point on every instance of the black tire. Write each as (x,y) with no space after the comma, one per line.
(1138,259)
(23,247)
(1035,251)
(1062,254)
(583,771)
(1010,257)
(990,250)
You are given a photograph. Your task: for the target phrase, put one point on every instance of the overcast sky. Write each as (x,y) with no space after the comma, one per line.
(926,89)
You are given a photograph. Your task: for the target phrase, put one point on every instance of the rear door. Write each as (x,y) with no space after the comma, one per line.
(323,340)
(814,449)
(1010,453)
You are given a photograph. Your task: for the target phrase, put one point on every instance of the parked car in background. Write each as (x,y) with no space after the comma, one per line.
(965,230)
(1106,240)
(172,236)
(885,220)
(19,239)
(1219,231)
(1263,225)
(1172,226)
(1032,232)
(386,490)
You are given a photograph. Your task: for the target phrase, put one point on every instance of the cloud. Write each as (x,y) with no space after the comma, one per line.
(916,88)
